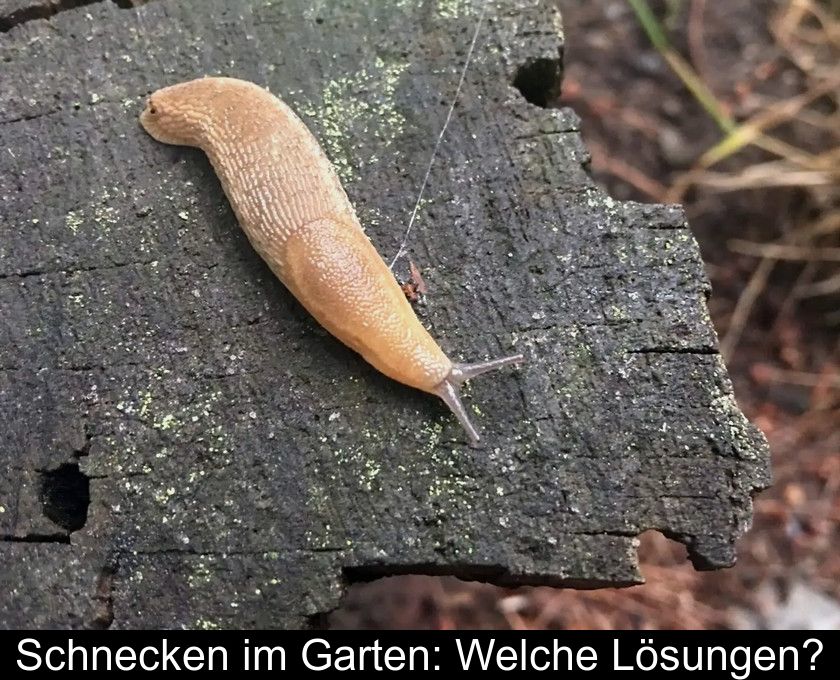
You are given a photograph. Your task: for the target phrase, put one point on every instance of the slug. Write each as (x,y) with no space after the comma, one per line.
(292,206)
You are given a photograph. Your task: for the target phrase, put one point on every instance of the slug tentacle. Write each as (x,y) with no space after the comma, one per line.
(463,372)
(460,373)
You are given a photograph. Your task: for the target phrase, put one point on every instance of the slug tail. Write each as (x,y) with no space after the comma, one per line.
(448,390)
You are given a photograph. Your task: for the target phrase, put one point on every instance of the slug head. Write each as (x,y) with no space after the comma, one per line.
(186,113)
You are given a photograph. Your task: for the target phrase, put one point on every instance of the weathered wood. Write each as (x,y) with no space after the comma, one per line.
(241,464)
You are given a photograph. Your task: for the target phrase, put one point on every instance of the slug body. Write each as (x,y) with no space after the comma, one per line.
(290,203)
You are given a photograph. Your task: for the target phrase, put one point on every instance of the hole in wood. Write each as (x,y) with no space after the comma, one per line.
(65,496)
(539,81)
(128,4)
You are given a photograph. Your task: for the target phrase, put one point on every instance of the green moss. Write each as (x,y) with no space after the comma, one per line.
(452,9)
(361,463)
(201,574)
(73,221)
(358,106)
(615,313)
(319,506)
(167,422)
(145,402)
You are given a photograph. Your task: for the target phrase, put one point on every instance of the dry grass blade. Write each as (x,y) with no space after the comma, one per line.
(780,251)
(773,116)
(829,286)
(743,308)
(764,176)
(827,224)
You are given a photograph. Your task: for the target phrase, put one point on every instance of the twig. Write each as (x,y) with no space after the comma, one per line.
(744,307)
(803,378)
(780,112)
(696,40)
(826,224)
(761,176)
(803,279)
(781,251)
(603,105)
(626,172)
(828,286)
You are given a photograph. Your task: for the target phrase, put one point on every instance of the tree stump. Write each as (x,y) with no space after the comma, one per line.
(184,446)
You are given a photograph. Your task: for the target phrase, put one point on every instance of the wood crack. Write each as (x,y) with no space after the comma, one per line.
(44,9)
(675,350)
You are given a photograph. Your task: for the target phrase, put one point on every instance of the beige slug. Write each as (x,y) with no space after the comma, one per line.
(290,202)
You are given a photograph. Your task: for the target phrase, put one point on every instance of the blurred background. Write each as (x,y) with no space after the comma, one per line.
(730,108)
